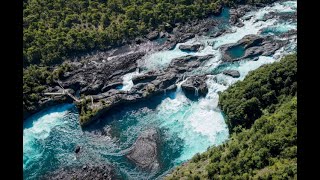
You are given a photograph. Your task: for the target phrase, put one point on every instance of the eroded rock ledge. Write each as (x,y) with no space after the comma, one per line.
(144,152)
(101,172)
(195,86)
(146,85)
(253,46)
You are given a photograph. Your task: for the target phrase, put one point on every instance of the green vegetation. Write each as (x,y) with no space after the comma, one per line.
(263,143)
(261,93)
(85,113)
(55,30)
(36,79)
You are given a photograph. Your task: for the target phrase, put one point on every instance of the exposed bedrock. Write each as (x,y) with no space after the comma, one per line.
(152,35)
(144,86)
(236,14)
(144,151)
(232,73)
(190,47)
(95,77)
(252,46)
(195,86)
(101,172)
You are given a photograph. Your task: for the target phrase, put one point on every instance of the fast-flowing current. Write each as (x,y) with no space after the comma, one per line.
(186,126)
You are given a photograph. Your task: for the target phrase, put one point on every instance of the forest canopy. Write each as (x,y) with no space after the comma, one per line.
(262,111)
(54,30)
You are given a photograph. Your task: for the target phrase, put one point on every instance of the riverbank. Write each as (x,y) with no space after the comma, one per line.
(113,61)
(187,117)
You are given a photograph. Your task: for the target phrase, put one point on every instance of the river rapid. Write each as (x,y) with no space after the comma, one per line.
(186,126)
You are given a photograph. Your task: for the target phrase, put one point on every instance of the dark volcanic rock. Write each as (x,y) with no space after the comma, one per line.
(168,28)
(162,34)
(95,77)
(188,63)
(77,150)
(144,78)
(251,40)
(86,172)
(253,46)
(145,86)
(153,35)
(185,37)
(144,152)
(232,73)
(195,85)
(219,33)
(192,47)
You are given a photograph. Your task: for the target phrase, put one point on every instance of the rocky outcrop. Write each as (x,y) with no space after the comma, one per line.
(95,77)
(254,46)
(287,16)
(101,172)
(183,32)
(190,47)
(153,35)
(77,149)
(144,152)
(236,14)
(195,86)
(150,76)
(146,85)
(232,73)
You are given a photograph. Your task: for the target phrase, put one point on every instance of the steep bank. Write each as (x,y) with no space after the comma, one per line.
(262,112)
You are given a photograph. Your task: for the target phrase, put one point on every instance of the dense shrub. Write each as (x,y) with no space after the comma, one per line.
(265,144)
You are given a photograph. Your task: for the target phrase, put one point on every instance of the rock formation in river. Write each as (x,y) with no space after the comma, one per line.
(86,172)
(195,85)
(253,45)
(146,85)
(191,47)
(232,73)
(144,152)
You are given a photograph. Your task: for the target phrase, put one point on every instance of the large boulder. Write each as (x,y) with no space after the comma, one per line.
(195,85)
(251,40)
(232,73)
(144,152)
(185,37)
(191,47)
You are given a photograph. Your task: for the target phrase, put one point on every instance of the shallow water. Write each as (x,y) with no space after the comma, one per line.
(187,127)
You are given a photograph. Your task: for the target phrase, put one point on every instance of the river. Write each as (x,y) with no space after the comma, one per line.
(187,127)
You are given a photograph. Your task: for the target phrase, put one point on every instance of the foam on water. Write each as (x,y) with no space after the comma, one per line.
(283,7)
(161,59)
(279,28)
(252,26)
(188,127)
(38,129)
(127,81)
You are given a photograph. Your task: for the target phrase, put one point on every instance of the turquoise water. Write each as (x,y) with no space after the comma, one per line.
(236,52)
(50,138)
(186,127)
